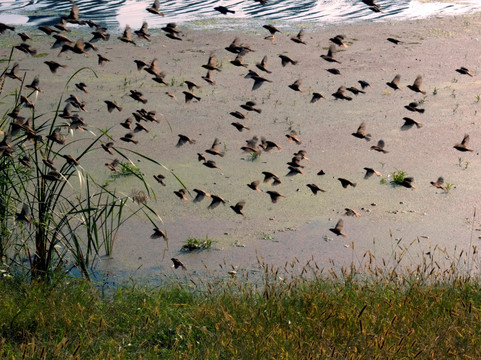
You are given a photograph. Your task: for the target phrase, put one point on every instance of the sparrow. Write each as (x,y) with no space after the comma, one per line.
(351,212)
(238,60)
(299,38)
(184,139)
(439,183)
(46,29)
(138,96)
(395,82)
(394,41)
(26,102)
(416,86)
(409,123)
(345,183)
(129,137)
(24,214)
(330,54)
(26,48)
(201,157)
(127,123)
(142,32)
(60,40)
(181,194)
(361,132)
(113,165)
(296,86)
(154,9)
(214,149)
(211,63)
(5,27)
(239,207)
(268,145)
(211,164)
(191,85)
(153,67)
(139,127)
(285,60)
(49,163)
(364,84)
(294,171)
(462,70)
(334,71)
(201,194)
(53,176)
(102,60)
(160,179)
(178,263)
(293,137)
(370,172)
(158,233)
(160,78)
(82,87)
(338,228)
(339,40)
(140,64)
(341,94)
(254,186)
(262,65)
(239,115)
(13,73)
(315,189)
(112,105)
(57,137)
(250,106)
(127,36)
(271,28)
(189,96)
(463,146)
(53,66)
(223,10)
(268,176)
(108,147)
(216,200)
(71,160)
(414,107)
(208,78)
(355,90)
(316,97)
(274,196)
(258,81)
(408,182)
(240,127)
(379,147)
(172,31)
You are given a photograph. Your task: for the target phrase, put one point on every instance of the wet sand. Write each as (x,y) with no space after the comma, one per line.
(297,227)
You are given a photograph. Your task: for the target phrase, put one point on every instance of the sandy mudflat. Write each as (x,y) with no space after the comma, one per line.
(298,225)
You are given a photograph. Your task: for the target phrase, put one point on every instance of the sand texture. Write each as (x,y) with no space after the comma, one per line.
(297,226)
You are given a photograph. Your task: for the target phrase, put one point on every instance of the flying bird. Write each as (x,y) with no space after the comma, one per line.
(416,86)
(338,229)
(463,146)
(379,147)
(154,9)
(345,183)
(361,132)
(439,183)
(330,54)
(394,84)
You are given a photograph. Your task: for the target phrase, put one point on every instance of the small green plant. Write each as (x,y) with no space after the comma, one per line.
(435,91)
(478,98)
(253,156)
(383,180)
(192,244)
(398,176)
(449,186)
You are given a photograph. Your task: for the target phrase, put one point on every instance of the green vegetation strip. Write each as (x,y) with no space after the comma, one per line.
(304,319)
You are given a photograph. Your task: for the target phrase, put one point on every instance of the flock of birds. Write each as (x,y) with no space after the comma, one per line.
(135,124)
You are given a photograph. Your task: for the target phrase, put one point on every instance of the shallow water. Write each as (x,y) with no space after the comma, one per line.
(118,13)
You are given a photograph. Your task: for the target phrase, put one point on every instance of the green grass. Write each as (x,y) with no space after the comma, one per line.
(398,176)
(389,317)
(192,244)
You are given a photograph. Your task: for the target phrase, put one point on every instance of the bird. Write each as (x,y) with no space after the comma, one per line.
(238,60)
(139,127)
(212,63)
(316,97)
(160,179)
(262,65)
(24,214)
(208,78)
(351,212)
(299,38)
(370,172)
(153,67)
(416,86)
(172,31)
(258,81)
(238,207)
(214,149)
(142,33)
(216,200)
(239,115)
(334,71)
(463,146)
(296,85)
(379,147)
(154,9)
(330,54)
(178,263)
(201,194)
(102,60)
(345,183)
(181,194)
(364,84)
(240,127)
(341,94)
(158,233)
(465,71)
(82,87)
(108,147)
(73,17)
(5,27)
(140,64)
(361,132)
(408,182)
(160,78)
(138,96)
(112,105)
(268,176)
(268,145)
(315,188)
(53,176)
(26,48)
(34,84)
(113,165)
(191,85)
(338,228)
(439,183)
(339,40)
(71,160)
(127,36)
(395,82)
(409,123)
(13,73)
(60,40)
(414,107)
(183,139)
(189,96)
(254,185)
(201,157)
(211,164)
(355,90)
(46,29)
(223,10)
(49,163)
(294,171)
(274,196)
(54,66)
(293,137)
(127,123)
(57,137)
(394,41)
(129,137)
(250,106)
(272,29)
(285,60)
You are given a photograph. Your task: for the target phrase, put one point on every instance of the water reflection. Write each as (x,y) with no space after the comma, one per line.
(118,13)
